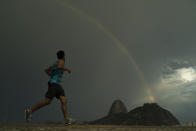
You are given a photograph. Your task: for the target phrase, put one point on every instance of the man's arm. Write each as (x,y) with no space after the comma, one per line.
(60,66)
(47,70)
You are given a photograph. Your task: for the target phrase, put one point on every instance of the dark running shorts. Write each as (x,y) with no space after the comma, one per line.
(54,90)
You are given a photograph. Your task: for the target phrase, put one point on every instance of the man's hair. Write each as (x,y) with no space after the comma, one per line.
(60,54)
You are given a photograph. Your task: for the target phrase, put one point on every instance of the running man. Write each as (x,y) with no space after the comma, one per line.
(54,89)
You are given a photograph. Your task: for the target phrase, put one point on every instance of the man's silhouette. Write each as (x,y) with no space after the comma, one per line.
(55,89)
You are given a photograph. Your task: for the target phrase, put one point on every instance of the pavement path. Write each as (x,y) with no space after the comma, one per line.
(60,127)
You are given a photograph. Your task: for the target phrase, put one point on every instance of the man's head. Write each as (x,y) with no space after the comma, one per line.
(60,54)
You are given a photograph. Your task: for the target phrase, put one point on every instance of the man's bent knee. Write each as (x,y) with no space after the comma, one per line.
(48,101)
(63,100)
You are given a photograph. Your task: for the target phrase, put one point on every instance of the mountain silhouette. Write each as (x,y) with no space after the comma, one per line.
(117,107)
(150,114)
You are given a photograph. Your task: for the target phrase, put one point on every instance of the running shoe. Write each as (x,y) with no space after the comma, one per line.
(70,122)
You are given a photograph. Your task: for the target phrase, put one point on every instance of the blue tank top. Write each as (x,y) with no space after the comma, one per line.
(57,74)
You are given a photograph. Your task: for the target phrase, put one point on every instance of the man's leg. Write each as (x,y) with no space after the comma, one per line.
(40,105)
(64,106)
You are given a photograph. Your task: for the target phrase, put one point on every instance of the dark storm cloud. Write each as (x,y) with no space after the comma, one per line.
(149,29)
(156,32)
(172,65)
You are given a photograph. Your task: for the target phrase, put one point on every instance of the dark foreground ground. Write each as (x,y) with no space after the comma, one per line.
(59,127)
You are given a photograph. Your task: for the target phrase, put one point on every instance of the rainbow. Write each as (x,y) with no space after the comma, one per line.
(116,40)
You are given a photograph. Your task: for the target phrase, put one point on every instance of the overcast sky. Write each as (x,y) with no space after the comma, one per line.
(160,35)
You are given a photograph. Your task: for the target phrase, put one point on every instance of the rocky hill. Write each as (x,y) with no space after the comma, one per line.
(150,114)
(117,107)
